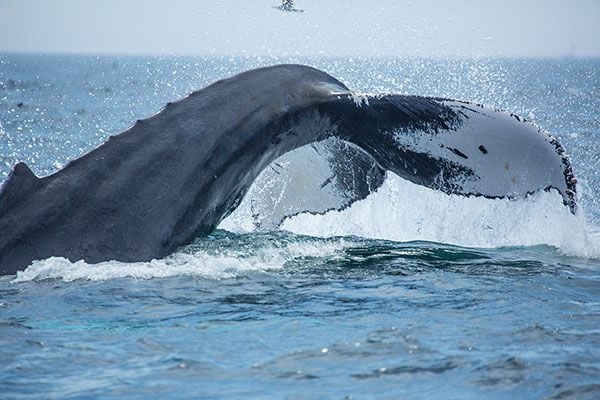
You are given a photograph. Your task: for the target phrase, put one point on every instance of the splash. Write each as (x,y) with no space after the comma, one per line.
(223,258)
(402,211)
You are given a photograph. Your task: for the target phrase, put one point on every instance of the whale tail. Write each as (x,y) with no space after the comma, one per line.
(452,146)
(177,174)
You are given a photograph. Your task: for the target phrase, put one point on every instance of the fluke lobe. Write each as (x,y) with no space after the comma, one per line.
(175,175)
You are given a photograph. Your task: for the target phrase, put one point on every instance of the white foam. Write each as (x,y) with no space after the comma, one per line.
(229,263)
(359,99)
(402,211)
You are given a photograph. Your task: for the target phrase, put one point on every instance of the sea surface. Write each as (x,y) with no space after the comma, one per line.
(409,293)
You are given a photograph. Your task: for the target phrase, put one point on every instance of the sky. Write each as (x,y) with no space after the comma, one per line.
(396,28)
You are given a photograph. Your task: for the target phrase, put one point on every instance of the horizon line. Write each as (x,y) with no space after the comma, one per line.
(287,56)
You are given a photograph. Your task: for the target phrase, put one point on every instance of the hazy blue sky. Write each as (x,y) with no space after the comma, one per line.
(333,27)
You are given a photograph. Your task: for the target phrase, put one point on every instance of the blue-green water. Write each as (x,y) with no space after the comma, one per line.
(281,315)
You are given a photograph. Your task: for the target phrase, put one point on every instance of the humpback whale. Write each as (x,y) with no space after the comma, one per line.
(176,175)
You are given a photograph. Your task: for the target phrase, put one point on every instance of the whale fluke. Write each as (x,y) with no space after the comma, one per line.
(177,174)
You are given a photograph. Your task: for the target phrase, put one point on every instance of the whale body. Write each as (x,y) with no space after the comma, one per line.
(176,175)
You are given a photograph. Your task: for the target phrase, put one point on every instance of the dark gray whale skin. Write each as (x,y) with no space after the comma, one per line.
(175,175)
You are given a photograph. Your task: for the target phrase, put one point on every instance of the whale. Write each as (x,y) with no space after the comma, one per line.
(175,175)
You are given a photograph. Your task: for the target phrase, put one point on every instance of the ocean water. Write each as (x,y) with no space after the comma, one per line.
(409,293)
